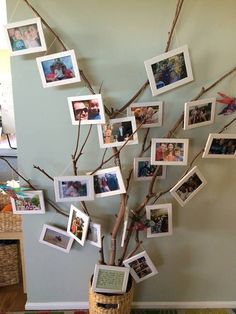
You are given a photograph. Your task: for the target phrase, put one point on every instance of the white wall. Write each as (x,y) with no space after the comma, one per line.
(112,40)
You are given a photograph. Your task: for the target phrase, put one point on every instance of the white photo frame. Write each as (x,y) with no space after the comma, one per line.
(148,113)
(110,279)
(58,69)
(56,238)
(117,131)
(77,225)
(141,266)
(169,70)
(199,113)
(144,170)
(160,217)
(87,109)
(222,146)
(108,182)
(169,151)
(188,186)
(94,234)
(25,37)
(30,202)
(74,188)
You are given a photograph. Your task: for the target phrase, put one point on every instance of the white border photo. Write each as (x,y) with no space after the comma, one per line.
(141,266)
(169,70)
(108,182)
(160,217)
(148,113)
(56,238)
(144,170)
(25,37)
(30,202)
(74,188)
(169,151)
(188,186)
(58,69)
(77,226)
(117,131)
(199,113)
(86,109)
(222,146)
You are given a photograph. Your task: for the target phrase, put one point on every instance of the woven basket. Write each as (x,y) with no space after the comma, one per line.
(8,221)
(9,264)
(111,304)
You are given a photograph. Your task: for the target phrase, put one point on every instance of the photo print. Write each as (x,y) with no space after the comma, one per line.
(169,151)
(117,131)
(199,113)
(147,113)
(94,234)
(110,279)
(108,182)
(141,266)
(144,170)
(74,188)
(56,238)
(30,202)
(58,69)
(77,226)
(86,109)
(220,146)
(25,37)
(188,186)
(169,70)
(160,220)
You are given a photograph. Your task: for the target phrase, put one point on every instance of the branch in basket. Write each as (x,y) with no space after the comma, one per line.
(101,252)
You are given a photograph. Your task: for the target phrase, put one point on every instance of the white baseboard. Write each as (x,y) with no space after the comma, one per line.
(136,305)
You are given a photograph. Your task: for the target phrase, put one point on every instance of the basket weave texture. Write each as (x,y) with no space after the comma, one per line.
(99,303)
(9,222)
(9,264)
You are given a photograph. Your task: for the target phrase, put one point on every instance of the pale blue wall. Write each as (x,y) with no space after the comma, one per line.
(112,39)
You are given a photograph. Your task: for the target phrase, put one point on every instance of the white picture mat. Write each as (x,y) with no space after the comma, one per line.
(137,160)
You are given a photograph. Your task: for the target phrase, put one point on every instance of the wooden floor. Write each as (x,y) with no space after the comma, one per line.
(12,298)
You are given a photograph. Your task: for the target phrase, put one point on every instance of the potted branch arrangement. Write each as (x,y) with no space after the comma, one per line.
(111,289)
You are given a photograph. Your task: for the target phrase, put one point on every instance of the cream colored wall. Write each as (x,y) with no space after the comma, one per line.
(112,39)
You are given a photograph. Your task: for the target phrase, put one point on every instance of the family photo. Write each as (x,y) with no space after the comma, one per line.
(117,131)
(169,70)
(220,146)
(108,182)
(58,69)
(25,37)
(149,114)
(160,220)
(141,266)
(199,113)
(78,223)
(144,170)
(86,109)
(169,151)
(73,188)
(31,202)
(188,186)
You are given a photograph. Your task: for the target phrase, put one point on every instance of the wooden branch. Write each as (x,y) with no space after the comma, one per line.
(134,250)
(101,252)
(46,24)
(177,13)
(43,171)
(82,147)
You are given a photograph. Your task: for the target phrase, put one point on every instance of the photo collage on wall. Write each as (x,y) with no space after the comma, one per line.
(164,72)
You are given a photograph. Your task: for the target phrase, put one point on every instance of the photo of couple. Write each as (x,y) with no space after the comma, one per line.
(86,110)
(105,183)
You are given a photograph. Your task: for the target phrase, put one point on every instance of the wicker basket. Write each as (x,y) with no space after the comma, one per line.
(9,263)
(8,221)
(111,304)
